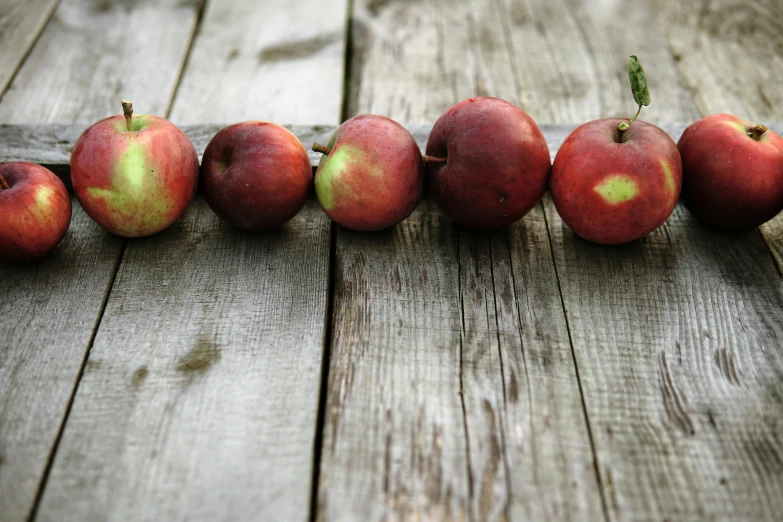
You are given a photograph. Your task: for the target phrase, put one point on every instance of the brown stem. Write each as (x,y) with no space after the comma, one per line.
(3,184)
(127,110)
(757,131)
(433,159)
(622,127)
(317,147)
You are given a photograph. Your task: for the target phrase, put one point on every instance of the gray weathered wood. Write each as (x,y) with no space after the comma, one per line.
(531,431)
(729,53)
(570,58)
(412,62)
(55,305)
(677,339)
(20,25)
(210,410)
(437,406)
(48,312)
(394,445)
(95,52)
(51,144)
(273,61)
(200,394)
(730,56)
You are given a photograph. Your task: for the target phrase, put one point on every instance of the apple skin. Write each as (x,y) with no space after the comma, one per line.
(609,192)
(497,163)
(255,175)
(731,181)
(134,183)
(373,176)
(35,212)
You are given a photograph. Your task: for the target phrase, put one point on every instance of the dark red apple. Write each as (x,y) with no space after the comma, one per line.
(732,172)
(487,163)
(255,175)
(134,175)
(371,175)
(35,211)
(612,192)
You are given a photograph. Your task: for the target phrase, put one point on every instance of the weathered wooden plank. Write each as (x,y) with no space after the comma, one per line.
(730,54)
(55,306)
(51,144)
(530,451)
(48,313)
(438,405)
(274,61)
(677,339)
(570,57)
(200,394)
(210,411)
(394,445)
(94,52)
(20,25)
(412,62)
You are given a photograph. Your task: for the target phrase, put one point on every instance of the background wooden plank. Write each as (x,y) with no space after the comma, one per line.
(20,25)
(91,55)
(437,406)
(50,310)
(200,395)
(412,62)
(47,316)
(730,54)
(570,59)
(205,375)
(274,61)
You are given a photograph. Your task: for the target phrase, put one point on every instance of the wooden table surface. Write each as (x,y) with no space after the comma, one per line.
(425,372)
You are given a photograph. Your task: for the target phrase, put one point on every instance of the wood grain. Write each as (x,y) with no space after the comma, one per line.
(48,313)
(529,449)
(95,52)
(730,55)
(200,394)
(438,406)
(210,410)
(81,57)
(570,59)
(20,25)
(273,61)
(411,62)
(677,339)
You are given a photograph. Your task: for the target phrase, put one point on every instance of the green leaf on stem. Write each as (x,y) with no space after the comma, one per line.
(638,82)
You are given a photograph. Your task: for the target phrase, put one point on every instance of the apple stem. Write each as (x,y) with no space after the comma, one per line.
(3,184)
(621,128)
(433,159)
(757,131)
(317,147)
(127,110)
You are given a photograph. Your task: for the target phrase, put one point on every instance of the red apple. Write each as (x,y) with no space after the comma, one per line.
(35,211)
(732,172)
(134,175)
(610,190)
(255,175)
(371,175)
(487,163)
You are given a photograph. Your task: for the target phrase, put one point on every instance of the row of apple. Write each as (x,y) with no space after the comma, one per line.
(486,165)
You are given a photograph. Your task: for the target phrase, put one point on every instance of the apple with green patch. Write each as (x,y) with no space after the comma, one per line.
(35,212)
(134,174)
(732,172)
(371,175)
(614,181)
